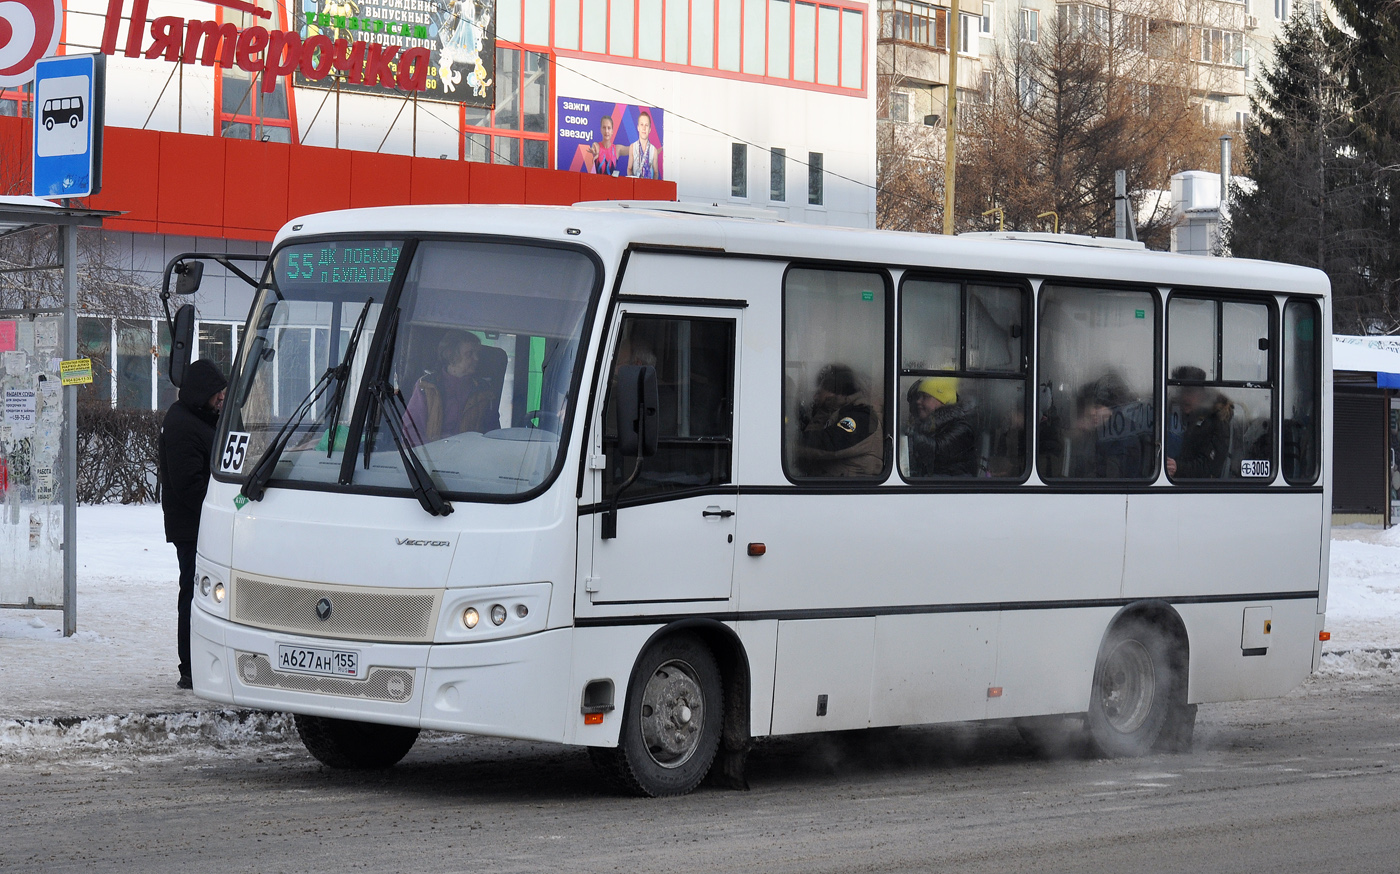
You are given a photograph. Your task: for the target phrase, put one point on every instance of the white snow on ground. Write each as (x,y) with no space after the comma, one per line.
(120,668)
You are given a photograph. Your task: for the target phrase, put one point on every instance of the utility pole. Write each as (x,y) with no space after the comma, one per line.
(950,151)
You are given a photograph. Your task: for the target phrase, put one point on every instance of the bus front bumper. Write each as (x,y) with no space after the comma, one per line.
(512,687)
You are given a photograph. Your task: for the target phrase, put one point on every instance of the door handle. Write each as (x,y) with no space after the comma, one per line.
(716,511)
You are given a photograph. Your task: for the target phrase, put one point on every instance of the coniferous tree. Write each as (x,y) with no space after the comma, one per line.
(1311,194)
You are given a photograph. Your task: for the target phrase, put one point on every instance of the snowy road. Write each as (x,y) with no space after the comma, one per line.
(1307,783)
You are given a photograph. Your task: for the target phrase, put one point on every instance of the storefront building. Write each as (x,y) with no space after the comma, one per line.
(225,119)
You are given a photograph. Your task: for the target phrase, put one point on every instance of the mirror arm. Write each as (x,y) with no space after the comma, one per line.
(610,514)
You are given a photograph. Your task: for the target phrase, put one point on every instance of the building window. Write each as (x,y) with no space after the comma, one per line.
(988,11)
(819,43)
(899,106)
(814,178)
(1029,25)
(777,175)
(516,132)
(739,170)
(915,22)
(17,101)
(1281,10)
(246,112)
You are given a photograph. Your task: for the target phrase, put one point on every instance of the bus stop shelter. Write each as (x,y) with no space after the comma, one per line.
(1365,430)
(38,426)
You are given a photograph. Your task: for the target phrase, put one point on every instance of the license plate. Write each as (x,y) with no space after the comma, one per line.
(322,662)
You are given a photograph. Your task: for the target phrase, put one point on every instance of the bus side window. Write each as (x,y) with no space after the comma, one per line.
(1219,390)
(1301,390)
(1096,393)
(694,361)
(962,380)
(834,342)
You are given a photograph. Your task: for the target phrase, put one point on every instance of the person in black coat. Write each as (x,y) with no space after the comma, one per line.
(186,442)
(941,442)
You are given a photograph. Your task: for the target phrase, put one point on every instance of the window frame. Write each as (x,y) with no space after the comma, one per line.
(842,483)
(1274,385)
(1159,394)
(1318,387)
(1026,375)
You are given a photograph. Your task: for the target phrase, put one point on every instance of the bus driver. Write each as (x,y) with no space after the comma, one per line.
(454,398)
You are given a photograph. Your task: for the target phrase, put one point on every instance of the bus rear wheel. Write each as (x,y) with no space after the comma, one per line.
(672,722)
(1135,692)
(358,746)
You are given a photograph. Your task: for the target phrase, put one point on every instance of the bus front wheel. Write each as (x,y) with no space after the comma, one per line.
(672,722)
(358,746)
(1138,687)
(48,124)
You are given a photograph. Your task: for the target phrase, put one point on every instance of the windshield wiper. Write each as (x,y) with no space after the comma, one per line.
(262,471)
(423,488)
(342,375)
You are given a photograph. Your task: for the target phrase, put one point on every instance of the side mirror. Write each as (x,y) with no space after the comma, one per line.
(188,275)
(181,343)
(637,411)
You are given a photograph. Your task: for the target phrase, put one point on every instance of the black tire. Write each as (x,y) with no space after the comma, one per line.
(48,124)
(359,746)
(671,723)
(72,121)
(1138,689)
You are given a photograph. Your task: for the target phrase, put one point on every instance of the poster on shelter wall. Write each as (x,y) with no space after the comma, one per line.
(612,139)
(460,36)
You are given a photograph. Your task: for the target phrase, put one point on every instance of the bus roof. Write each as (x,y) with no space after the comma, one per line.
(612,229)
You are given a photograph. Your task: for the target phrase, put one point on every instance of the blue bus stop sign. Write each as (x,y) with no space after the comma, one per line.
(68,102)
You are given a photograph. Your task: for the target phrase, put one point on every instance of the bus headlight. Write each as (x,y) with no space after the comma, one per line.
(205,584)
(498,614)
(218,593)
(470,617)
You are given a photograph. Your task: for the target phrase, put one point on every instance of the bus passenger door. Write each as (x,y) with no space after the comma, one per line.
(674,539)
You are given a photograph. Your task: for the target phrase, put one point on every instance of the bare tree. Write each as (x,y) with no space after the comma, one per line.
(1101,90)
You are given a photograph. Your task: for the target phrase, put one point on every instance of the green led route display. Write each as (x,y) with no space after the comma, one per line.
(338,263)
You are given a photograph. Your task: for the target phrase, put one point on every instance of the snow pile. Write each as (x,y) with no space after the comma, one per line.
(136,733)
(1363,603)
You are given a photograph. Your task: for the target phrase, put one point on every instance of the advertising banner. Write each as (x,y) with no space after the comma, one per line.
(614,139)
(458,36)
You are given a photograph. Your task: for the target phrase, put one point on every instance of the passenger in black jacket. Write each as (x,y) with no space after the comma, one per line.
(1204,446)
(941,442)
(186,441)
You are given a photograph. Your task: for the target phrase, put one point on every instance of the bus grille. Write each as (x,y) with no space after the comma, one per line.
(356,613)
(382,684)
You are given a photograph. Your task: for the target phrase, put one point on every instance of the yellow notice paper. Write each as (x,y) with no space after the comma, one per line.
(78,371)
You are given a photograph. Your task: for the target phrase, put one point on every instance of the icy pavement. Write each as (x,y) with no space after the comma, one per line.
(120,668)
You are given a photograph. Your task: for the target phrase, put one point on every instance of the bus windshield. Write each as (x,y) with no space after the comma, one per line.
(472,373)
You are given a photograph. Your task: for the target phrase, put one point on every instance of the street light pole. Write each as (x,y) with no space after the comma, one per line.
(950,152)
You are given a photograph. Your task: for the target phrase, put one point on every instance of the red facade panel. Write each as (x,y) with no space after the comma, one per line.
(439,181)
(318,180)
(206,186)
(191,181)
(557,187)
(260,205)
(497,183)
(378,180)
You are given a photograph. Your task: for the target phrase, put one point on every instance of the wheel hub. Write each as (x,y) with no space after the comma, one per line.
(673,711)
(1127,686)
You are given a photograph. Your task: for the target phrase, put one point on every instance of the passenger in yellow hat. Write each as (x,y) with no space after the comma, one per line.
(941,442)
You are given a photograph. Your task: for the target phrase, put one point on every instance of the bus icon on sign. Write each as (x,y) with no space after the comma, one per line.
(62,110)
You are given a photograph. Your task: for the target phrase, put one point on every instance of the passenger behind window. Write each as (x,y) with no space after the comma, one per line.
(1113,432)
(1198,446)
(840,434)
(941,442)
(456,397)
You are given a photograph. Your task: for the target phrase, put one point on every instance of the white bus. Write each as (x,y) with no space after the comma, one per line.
(657,482)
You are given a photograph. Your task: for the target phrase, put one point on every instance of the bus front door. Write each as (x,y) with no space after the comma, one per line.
(674,523)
